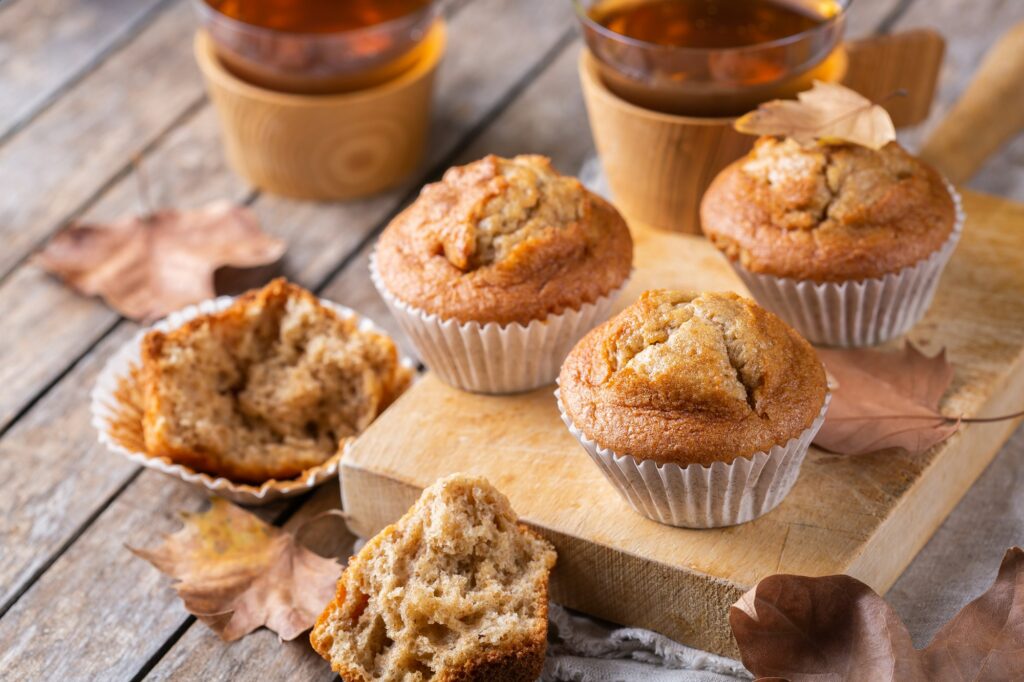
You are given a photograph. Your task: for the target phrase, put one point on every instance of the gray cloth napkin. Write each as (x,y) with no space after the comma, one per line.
(582,650)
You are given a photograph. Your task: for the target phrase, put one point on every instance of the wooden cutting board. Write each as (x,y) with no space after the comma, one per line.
(865,516)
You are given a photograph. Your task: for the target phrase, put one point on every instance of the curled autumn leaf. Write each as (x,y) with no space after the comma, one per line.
(237,573)
(837,628)
(827,113)
(885,399)
(148,266)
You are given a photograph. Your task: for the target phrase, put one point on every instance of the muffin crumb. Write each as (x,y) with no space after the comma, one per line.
(456,590)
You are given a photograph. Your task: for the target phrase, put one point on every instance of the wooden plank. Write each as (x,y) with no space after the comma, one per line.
(865,516)
(866,18)
(47,44)
(476,40)
(186,170)
(102,612)
(55,166)
(970,34)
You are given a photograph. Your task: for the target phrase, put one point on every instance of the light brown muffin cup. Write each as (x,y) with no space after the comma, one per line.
(856,313)
(697,496)
(493,358)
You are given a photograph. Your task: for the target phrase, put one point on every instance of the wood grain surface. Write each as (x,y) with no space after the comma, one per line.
(865,516)
(88,85)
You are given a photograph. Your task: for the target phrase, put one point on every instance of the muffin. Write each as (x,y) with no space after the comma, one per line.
(269,387)
(844,242)
(699,408)
(456,590)
(498,269)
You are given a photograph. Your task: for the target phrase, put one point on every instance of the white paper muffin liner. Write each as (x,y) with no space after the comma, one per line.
(109,412)
(490,358)
(856,313)
(696,496)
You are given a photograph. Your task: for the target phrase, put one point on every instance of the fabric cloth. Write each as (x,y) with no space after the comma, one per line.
(583,650)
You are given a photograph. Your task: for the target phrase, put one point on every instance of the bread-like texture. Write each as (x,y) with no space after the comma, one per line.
(455,591)
(692,378)
(265,389)
(504,240)
(827,213)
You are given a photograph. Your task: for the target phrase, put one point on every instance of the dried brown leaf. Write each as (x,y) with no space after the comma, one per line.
(826,113)
(837,628)
(148,266)
(237,573)
(885,399)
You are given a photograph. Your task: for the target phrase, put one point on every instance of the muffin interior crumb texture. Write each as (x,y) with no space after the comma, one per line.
(456,590)
(266,388)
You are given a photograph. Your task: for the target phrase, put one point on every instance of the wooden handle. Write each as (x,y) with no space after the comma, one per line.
(882,65)
(989,112)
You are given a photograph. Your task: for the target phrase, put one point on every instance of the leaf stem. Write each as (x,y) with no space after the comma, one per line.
(939,417)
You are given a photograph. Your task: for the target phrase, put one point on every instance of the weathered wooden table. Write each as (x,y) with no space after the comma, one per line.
(86,86)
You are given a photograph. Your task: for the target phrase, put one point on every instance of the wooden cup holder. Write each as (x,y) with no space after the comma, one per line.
(658,165)
(324,147)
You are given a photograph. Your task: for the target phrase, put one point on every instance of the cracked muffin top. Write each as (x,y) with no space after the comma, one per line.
(504,240)
(827,213)
(692,378)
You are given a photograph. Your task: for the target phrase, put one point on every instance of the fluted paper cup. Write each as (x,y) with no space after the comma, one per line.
(491,358)
(856,313)
(116,405)
(697,496)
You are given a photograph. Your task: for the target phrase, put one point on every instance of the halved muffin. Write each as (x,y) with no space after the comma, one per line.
(456,590)
(265,389)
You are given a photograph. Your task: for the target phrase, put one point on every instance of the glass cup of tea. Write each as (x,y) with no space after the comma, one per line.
(712,58)
(317,46)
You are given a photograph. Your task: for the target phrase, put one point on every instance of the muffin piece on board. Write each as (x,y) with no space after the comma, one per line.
(504,240)
(454,591)
(827,212)
(267,388)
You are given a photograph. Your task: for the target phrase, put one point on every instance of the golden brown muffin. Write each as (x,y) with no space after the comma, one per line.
(504,240)
(456,591)
(687,378)
(267,388)
(828,213)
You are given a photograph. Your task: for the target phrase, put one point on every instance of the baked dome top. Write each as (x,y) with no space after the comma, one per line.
(828,212)
(504,240)
(692,378)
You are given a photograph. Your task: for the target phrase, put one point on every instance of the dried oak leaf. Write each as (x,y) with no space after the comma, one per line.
(237,573)
(826,113)
(836,628)
(885,399)
(148,266)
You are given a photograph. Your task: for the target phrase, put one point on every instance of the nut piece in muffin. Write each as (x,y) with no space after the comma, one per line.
(456,590)
(504,241)
(692,379)
(265,389)
(827,213)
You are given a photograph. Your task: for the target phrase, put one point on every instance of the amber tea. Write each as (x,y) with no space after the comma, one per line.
(317,46)
(711,23)
(710,57)
(316,16)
